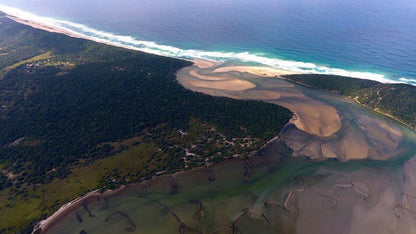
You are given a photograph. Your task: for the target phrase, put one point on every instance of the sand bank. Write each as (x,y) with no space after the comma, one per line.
(323,129)
(259,71)
(201,63)
(229,85)
(43,225)
(204,77)
(312,116)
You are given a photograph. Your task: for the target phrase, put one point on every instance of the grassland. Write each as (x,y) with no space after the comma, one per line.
(40,57)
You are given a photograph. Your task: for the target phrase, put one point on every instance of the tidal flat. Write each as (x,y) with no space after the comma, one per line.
(337,167)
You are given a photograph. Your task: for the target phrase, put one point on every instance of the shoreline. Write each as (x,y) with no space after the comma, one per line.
(76,203)
(64,210)
(151,47)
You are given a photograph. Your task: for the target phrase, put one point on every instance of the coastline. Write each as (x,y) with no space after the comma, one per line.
(129,42)
(66,32)
(64,210)
(67,208)
(76,203)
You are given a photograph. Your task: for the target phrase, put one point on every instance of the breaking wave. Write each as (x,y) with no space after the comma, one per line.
(170,51)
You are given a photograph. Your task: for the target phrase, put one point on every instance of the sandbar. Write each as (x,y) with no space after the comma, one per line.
(204,77)
(230,85)
(203,64)
(256,70)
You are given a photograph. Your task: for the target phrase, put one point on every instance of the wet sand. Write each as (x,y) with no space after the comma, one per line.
(75,204)
(269,193)
(327,125)
(309,112)
(256,70)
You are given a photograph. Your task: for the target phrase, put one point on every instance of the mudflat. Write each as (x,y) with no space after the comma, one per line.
(326,125)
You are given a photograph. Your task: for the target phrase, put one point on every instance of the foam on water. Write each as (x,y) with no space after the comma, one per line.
(170,51)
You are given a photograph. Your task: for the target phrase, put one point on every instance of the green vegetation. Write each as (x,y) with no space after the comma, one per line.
(77,116)
(5,70)
(396,100)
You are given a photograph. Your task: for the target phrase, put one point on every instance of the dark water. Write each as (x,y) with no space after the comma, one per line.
(368,39)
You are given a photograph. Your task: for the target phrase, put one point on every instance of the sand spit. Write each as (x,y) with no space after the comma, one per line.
(324,129)
(212,78)
(312,116)
(45,224)
(203,64)
(231,85)
(258,71)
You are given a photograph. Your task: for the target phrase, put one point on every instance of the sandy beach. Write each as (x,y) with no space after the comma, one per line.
(47,28)
(258,71)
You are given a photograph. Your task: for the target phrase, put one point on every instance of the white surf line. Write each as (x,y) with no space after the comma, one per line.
(190,54)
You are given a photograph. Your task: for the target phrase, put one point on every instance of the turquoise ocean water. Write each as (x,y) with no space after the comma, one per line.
(360,38)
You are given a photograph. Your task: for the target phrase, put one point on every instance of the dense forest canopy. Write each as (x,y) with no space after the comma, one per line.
(76,115)
(60,108)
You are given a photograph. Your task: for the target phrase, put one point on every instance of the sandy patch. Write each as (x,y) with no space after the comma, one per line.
(261,94)
(385,137)
(204,64)
(354,146)
(313,116)
(255,70)
(204,77)
(230,85)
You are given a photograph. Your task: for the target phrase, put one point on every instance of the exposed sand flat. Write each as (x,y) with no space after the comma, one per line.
(261,94)
(259,71)
(328,151)
(204,77)
(385,137)
(201,63)
(230,85)
(277,83)
(357,202)
(313,116)
(354,146)
(324,134)
(269,95)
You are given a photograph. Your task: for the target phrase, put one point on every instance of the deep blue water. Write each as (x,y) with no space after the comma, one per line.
(360,38)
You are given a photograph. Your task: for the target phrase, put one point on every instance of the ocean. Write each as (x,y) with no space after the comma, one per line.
(370,39)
